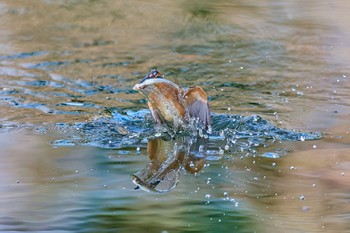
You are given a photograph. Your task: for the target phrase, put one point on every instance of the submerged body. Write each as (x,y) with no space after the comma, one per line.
(172,105)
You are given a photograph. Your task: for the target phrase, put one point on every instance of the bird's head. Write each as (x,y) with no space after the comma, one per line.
(151,78)
(152,81)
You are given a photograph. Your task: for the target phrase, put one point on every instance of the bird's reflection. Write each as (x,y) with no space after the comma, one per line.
(167,159)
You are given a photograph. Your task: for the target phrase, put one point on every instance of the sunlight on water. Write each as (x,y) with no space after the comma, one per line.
(80,152)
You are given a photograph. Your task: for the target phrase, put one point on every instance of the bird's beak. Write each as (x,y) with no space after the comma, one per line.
(137,87)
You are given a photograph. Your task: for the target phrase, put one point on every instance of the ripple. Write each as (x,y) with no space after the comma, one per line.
(23,55)
(9,71)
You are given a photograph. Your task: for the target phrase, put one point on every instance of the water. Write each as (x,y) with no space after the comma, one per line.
(73,133)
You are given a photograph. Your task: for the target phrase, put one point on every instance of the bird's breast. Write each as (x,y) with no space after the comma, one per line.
(169,105)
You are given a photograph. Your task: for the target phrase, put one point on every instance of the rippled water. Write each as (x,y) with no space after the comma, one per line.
(74,135)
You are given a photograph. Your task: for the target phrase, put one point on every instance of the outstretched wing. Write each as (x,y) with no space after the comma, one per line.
(197,104)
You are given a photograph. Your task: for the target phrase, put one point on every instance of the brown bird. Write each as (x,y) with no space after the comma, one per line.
(172,105)
(167,159)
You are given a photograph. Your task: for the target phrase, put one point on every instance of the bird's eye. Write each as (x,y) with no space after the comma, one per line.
(152,74)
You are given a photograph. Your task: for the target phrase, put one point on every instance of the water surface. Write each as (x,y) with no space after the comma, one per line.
(72,130)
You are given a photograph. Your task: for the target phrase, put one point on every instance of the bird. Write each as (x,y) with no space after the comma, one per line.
(172,105)
(167,160)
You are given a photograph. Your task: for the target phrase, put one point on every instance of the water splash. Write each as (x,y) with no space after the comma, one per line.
(246,133)
(131,129)
(117,130)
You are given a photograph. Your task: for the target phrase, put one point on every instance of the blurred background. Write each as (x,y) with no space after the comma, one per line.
(66,63)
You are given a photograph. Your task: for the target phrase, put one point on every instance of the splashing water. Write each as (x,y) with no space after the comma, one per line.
(127,129)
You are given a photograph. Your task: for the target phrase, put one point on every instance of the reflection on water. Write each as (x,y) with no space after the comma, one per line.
(166,160)
(72,130)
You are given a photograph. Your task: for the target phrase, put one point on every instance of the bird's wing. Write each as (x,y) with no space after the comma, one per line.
(197,104)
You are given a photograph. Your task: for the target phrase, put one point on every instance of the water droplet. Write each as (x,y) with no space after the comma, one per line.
(208,180)
(200,133)
(200,149)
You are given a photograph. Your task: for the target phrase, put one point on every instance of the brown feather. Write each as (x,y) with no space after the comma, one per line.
(165,104)
(197,104)
(171,104)
(154,113)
